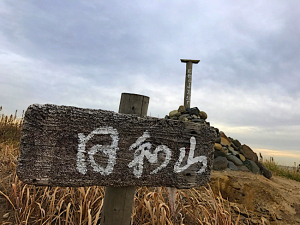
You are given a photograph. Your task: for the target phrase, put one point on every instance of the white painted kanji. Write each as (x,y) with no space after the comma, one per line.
(109,150)
(191,160)
(143,150)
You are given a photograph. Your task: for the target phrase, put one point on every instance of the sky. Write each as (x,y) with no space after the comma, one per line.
(86,53)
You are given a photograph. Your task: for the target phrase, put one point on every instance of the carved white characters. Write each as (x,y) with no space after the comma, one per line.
(110,150)
(191,160)
(144,150)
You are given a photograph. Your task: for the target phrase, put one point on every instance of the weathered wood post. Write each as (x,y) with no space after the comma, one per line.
(188,80)
(118,201)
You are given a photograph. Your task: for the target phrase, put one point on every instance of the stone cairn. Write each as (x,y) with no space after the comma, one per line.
(229,153)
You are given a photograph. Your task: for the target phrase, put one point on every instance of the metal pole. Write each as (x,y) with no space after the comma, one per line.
(188,80)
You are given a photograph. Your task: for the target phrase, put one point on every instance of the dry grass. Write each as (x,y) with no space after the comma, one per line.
(281,171)
(10,128)
(28,204)
(54,205)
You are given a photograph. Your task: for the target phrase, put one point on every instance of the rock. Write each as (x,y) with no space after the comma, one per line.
(6,216)
(248,153)
(203,115)
(218,140)
(264,170)
(235,160)
(242,157)
(224,149)
(220,163)
(236,143)
(218,147)
(232,166)
(218,132)
(194,111)
(219,153)
(224,141)
(234,146)
(196,120)
(174,113)
(195,117)
(252,166)
(181,109)
(184,117)
(188,110)
(243,168)
(233,152)
(222,134)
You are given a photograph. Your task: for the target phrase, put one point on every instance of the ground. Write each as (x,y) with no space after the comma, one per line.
(254,197)
(275,200)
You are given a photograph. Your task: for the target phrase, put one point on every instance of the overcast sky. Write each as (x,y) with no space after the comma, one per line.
(86,53)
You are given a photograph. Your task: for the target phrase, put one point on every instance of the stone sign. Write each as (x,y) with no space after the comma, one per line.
(69,146)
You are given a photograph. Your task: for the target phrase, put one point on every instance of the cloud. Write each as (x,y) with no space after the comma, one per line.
(287,158)
(87,53)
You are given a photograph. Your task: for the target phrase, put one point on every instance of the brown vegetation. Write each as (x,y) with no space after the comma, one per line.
(234,197)
(27,204)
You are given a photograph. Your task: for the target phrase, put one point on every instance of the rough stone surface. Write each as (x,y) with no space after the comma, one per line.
(219,153)
(196,120)
(203,115)
(174,113)
(264,170)
(222,134)
(195,111)
(232,151)
(218,132)
(242,157)
(184,117)
(234,146)
(236,143)
(195,117)
(248,153)
(220,163)
(181,109)
(252,166)
(232,166)
(217,146)
(244,169)
(235,160)
(225,141)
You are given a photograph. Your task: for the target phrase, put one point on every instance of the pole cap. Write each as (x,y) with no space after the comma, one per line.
(190,60)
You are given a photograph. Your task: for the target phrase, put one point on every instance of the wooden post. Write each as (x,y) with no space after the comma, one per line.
(188,80)
(118,201)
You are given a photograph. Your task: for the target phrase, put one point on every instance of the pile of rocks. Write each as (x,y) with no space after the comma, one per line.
(229,153)
(189,114)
